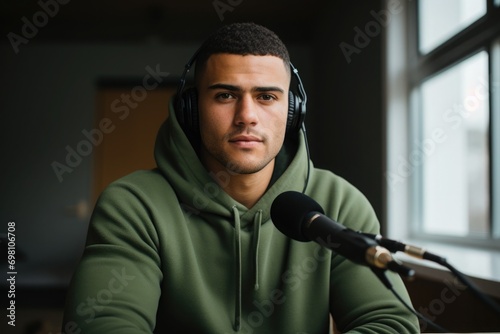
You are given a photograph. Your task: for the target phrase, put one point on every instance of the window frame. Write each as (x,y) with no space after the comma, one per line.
(483,34)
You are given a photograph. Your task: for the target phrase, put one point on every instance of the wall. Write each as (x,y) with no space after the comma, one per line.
(347,136)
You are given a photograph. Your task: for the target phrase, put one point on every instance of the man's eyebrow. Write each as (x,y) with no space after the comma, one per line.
(225,86)
(234,88)
(269,89)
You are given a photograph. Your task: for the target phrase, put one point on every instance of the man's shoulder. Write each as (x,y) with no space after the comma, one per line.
(140,176)
(342,200)
(327,180)
(141,183)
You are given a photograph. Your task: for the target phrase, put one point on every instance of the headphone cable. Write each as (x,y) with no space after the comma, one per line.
(308,172)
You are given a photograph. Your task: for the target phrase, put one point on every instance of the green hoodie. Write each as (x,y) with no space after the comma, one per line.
(211,265)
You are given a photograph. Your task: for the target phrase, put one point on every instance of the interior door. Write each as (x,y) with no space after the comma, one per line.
(129,126)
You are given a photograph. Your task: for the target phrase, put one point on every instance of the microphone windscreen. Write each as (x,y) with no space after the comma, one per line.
(290,211)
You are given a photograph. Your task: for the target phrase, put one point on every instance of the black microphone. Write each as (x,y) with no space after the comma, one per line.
(301,218)
(397,246)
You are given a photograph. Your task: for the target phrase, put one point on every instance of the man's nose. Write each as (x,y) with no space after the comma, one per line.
(246,111)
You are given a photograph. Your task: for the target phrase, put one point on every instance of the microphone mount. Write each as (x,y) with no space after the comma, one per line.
(375,256)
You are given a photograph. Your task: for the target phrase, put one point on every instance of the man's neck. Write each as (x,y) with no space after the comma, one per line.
(247,189)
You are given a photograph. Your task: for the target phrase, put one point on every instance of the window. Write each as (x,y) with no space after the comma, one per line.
(454,128)
(454,178)
(440,20)
(445,160)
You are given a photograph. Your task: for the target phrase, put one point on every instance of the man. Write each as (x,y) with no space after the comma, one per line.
(190,247)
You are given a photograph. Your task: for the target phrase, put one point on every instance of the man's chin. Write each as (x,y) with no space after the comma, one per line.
(246,167)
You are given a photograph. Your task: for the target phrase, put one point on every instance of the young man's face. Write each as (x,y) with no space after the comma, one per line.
(243,107)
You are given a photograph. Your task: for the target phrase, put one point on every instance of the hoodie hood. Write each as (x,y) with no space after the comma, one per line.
(199,192)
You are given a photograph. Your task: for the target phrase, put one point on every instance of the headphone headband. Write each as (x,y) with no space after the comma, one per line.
(187,67)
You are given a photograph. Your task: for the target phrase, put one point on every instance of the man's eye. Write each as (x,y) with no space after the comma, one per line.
(224,96)
(267,97)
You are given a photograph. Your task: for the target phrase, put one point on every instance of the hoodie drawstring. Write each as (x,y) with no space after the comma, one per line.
(237,257)
(256,240)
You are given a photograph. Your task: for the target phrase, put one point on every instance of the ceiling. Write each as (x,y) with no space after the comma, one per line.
(79,20)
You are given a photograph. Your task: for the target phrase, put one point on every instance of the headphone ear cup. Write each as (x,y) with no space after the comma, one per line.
(291,112)
(296,113)
(187,110)
(192,122)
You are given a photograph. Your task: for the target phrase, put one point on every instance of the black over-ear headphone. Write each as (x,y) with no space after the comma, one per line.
(186,104)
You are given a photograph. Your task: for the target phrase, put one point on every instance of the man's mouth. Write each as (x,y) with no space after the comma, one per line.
(245,141)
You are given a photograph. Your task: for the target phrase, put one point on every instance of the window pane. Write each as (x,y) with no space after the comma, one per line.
(435,28)
(454,150)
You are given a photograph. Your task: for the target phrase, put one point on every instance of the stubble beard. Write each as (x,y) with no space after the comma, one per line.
(237,167)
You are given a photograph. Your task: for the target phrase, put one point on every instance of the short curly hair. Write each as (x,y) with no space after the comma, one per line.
(242,39)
